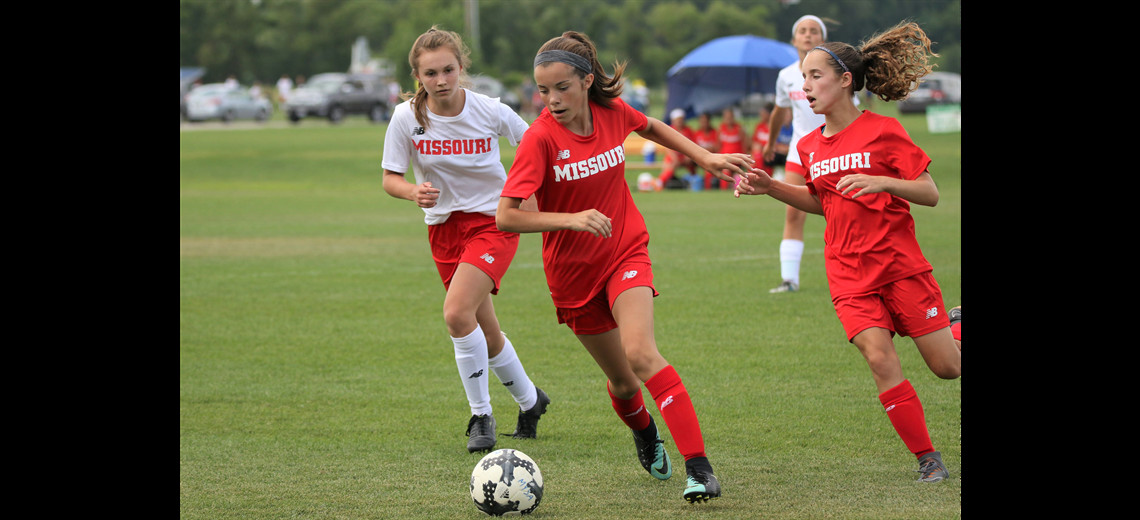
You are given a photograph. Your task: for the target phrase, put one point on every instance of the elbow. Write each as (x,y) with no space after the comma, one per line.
(503,223)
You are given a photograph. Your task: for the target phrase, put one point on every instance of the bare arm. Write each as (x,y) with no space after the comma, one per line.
(512,216)
(921,190)
(669,137)
(776,121)
(397,186)
(758,182)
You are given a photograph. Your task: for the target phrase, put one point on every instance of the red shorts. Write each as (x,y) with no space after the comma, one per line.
(472,238)
(596,316)
(909,307)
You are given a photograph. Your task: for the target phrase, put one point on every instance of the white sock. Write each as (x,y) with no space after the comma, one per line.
(510,372)
(791,252)
(471,359)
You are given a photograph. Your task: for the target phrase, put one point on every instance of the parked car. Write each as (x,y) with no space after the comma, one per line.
(492,87)
(187,76)
(218,101)
(334,95)
(936,88)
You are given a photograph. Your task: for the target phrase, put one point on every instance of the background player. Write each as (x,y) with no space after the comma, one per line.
(807,32)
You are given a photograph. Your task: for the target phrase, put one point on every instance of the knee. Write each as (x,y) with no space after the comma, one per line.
(460,322)
(947,369)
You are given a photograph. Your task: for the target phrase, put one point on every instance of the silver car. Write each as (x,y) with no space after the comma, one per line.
(218,101)
(936,88)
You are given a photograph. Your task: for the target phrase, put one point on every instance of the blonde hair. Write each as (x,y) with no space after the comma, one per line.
(435,38)
(890,64)
(604,88)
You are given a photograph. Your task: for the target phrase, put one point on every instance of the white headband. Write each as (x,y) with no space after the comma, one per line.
(813,18)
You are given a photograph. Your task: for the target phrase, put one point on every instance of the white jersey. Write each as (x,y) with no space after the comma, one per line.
(459,155)
(790,94)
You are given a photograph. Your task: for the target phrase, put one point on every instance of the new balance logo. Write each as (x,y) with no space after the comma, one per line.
(562,154)
(508,383)
(668,401)
(419,130)
(488,258)
(635,412)
(476,374)
(628,274)
(931,312)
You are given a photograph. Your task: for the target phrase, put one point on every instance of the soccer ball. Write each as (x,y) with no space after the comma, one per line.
(506,482)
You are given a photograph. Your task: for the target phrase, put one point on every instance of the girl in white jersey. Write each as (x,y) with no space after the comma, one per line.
(864,172)
(807,32)
(450,137)
(595,242)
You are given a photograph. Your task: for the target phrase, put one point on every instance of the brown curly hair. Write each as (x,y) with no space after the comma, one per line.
(890,63)
(431,40)
(605,87)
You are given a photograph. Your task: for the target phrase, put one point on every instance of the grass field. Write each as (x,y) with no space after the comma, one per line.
(317,380)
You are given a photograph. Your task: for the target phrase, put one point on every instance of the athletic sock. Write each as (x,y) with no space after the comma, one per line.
(510,372)
(631,411)
(791,253)
(471,359)
(905,412)
(677,409)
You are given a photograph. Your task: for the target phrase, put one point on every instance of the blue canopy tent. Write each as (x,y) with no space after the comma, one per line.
(725,70)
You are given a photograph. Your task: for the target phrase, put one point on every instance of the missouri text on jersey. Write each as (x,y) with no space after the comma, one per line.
(587,167)
(453,146)
(845,162)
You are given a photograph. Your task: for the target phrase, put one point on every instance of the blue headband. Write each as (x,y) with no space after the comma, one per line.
(837,60)
(566,57)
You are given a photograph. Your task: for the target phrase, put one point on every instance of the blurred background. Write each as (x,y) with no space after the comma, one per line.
(268,49)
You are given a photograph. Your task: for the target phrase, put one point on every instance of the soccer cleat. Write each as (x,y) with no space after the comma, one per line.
(955,314)
(931,469)
(701,484)
(527,427)
(652,454)
(785,286)
(481,433)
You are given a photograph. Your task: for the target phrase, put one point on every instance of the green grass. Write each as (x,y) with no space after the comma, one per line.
(316,378)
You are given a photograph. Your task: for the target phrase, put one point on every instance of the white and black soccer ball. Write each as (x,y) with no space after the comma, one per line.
(506,482)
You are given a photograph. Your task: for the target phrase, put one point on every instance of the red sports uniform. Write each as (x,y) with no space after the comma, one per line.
(731,141)
(566,172)
(870,241)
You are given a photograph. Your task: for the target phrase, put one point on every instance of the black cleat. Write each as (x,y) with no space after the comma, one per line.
(931,468)
(481,433)
(528,421)
(701,484)
(651,452)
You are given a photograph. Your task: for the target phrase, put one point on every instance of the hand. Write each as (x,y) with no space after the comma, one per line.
(754,182)
(425,196)
(859,184)
(592,221)
(734,163)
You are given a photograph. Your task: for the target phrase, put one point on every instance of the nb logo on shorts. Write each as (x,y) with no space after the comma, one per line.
(628,274)
(931,312)
(487,256)
(562,154)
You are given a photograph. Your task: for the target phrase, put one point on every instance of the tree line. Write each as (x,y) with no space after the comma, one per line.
(260,40)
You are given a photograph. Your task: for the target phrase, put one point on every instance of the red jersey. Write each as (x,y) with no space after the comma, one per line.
(870,241)
(569,173)
(731,139)
(760,138)
(707,139)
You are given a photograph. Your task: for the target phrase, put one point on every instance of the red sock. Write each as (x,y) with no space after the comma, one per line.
(905,412)
(677,409)
(956,330)
(631,411)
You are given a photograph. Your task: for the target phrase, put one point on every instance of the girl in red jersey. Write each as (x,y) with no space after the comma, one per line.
(732,137)
(863,172)
(706,137)
(595,242)
(450,136)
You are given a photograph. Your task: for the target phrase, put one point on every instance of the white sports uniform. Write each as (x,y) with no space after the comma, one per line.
(790,94)
(459,155)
